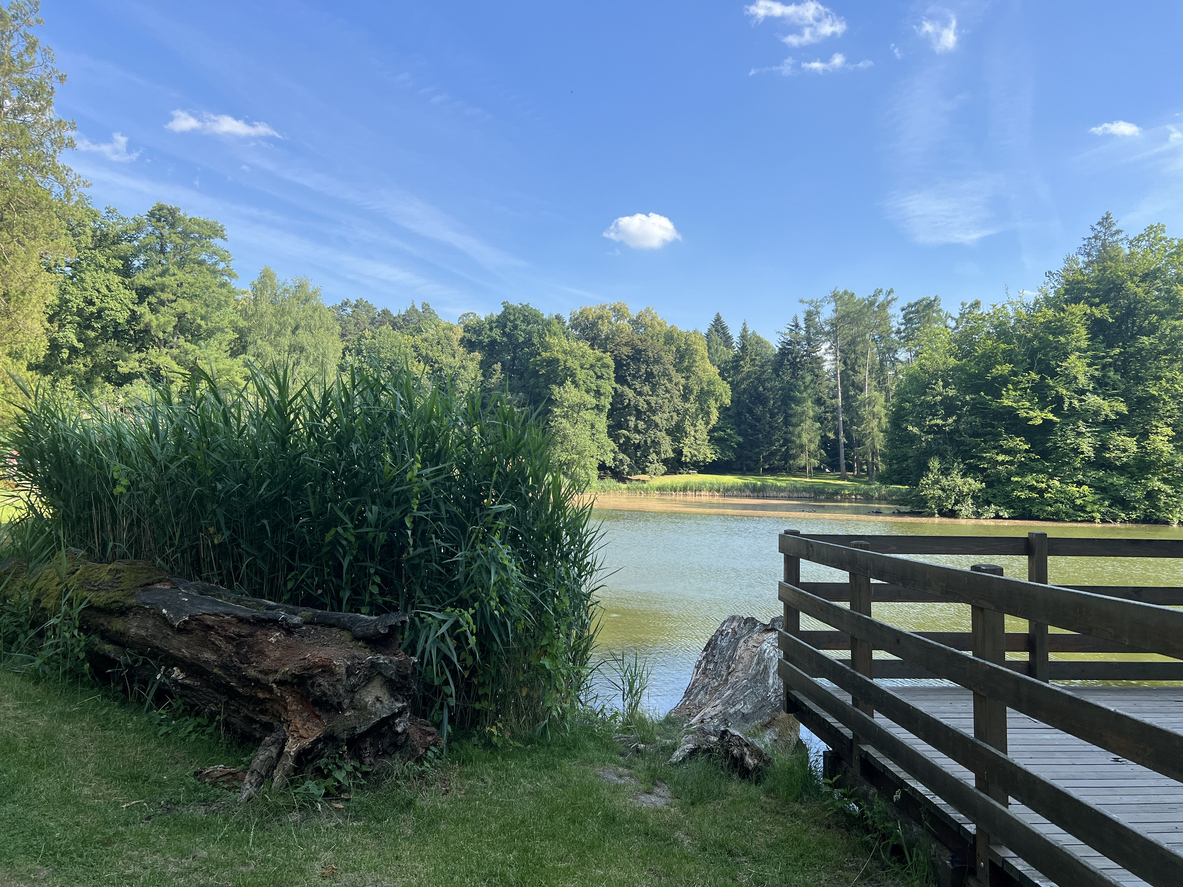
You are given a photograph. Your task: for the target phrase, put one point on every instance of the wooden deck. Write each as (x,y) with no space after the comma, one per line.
(974,755)
(1148,801)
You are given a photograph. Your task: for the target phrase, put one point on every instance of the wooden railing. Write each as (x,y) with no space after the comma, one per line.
(1109,619)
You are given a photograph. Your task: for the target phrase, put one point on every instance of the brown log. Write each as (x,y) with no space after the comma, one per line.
(304,683)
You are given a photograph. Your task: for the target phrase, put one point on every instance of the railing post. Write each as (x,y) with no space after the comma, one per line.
(792,624)
(1037,640)
(989,642)
(860,651)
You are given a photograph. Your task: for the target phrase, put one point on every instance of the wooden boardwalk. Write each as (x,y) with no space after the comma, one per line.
(1025,781)
(1148,801)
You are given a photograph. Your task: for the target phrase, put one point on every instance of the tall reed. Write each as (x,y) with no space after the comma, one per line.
(368,492)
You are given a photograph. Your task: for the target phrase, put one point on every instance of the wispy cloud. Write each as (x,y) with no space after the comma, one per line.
(816,22)
(115,150)
(951,211)
(941,34)
(642,231)
(219,125)
(837,62)
(1116,128)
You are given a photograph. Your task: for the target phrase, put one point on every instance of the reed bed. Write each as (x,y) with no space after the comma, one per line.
(367,492)
(740,487)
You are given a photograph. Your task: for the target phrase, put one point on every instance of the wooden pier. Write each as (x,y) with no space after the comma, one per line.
(1024,781)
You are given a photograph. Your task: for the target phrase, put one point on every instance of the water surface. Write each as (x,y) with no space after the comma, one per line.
(674,568)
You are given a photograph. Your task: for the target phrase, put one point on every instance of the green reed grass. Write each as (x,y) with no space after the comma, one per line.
(753,487)
(368,493)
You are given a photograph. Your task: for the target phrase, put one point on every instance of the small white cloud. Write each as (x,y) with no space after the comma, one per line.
(1175,134)
(219,125)
(895,50)
(643,231)
(1116,128)
(942,36)
(837,62)
(116,149)
(815,21)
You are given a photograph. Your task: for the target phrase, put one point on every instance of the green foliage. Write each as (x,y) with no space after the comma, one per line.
(755,403)
(38,193)
(370,494)
(1065,406)
(418,340)
(144,299)
(628,676)
(29,641)
(287,324)
(946,491)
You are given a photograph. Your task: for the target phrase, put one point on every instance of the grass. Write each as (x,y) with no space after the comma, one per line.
(753,486)
(90,793)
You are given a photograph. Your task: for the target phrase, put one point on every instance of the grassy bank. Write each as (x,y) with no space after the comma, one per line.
(91,793)
(753,486)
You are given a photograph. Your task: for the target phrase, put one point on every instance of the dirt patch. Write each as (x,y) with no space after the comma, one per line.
(616,777)
(659,796)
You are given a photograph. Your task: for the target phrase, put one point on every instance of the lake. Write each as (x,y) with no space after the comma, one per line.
(674,568)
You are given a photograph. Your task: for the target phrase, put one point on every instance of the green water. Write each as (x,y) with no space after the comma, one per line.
(675,568)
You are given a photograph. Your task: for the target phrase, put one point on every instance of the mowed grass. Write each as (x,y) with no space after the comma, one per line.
(90,794)
(753,486)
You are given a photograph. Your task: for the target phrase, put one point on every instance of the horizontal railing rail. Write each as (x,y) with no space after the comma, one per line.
(1122,620)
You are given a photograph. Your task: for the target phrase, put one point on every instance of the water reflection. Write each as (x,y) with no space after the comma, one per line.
(675,568)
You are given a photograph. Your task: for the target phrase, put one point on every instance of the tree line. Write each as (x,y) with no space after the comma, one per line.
(1064,404)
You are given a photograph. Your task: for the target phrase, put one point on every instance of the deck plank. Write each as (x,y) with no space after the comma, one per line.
(1146,800)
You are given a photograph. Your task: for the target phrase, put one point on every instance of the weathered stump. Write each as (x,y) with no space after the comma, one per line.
(303,683)
(735,697)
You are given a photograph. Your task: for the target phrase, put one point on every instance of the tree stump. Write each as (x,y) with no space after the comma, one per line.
(303,683)
(734,702)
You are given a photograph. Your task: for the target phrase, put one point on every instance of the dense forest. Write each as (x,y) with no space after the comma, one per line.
(1062,405)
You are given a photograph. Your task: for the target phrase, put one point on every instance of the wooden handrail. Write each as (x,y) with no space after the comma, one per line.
(1146,626)
(1120,619)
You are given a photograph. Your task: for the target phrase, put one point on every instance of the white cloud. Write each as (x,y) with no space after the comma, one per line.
(219,125)
(116,149)
(837,62)
(815,21)
(1175,134)
(1116,128)
(942,36)
(643,231)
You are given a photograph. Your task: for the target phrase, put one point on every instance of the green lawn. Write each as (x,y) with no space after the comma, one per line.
(91,794)
(782,486)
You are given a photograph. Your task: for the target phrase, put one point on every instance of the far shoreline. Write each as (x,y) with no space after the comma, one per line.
(864,510)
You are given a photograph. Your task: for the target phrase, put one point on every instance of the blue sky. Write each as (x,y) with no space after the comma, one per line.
(695,157)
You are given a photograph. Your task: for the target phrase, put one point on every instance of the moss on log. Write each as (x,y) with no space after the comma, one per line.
(304,683)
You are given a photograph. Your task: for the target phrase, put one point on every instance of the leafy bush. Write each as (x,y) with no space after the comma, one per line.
(367,493)
(945,490)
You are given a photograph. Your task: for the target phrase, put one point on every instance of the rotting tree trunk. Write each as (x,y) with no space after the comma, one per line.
(304,683)
(734,700)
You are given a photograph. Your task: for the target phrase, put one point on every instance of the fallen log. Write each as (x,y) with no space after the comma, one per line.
(303,683)
(734,701)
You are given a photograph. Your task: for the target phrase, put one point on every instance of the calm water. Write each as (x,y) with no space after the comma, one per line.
(675,568)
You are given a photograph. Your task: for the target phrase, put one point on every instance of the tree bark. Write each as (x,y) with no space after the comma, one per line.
(304,683)
(734,702)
